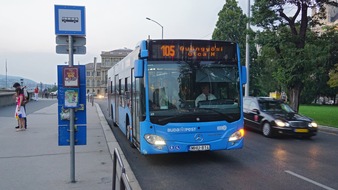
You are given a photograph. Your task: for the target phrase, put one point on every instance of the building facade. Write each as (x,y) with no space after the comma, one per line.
(96,73)
(331,18)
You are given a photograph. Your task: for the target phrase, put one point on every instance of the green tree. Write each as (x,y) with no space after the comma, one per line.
(231,23)
(332,36)
(231,26)
(294,57)
(317,83)
(333,82)
(264,68)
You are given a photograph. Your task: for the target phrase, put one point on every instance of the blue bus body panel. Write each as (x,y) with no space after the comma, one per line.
(124,112)
(179,139)
(120,109)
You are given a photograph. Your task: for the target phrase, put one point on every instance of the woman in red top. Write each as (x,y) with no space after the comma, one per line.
(20,113)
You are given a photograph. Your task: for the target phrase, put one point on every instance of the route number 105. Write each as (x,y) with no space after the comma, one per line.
(168,50)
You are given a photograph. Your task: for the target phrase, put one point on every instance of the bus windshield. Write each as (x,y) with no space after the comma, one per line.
(181,91)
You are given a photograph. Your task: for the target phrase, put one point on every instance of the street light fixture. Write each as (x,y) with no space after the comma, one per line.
(156,23)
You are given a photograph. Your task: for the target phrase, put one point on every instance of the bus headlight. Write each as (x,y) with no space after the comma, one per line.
(237,135)
(313,124)
(154,140)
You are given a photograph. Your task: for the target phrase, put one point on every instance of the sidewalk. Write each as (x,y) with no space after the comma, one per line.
(33,160)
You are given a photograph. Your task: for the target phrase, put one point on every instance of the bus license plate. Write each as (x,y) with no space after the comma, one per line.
(301,130)
(199,148)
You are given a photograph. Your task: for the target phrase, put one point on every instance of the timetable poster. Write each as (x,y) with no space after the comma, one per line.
(70,77)
(71,98)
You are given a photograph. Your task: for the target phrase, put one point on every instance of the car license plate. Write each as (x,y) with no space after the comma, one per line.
(301,130)
(199,148)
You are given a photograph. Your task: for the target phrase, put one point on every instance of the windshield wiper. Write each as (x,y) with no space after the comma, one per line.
(218,112)
(172,117)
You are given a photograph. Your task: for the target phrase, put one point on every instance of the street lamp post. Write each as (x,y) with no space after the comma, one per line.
(156,23)
(247,54)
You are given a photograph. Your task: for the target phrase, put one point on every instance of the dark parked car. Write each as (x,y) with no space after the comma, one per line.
(273,117)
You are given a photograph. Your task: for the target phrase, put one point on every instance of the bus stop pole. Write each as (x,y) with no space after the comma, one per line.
(71,119)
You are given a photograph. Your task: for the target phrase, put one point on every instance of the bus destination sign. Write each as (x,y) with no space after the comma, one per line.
(192,50)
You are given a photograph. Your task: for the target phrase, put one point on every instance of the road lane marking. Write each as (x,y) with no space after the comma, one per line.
(309,180)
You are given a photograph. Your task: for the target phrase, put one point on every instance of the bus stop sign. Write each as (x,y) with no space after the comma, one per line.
(70,20)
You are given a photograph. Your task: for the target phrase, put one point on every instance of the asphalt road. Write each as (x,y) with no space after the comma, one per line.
(263,163)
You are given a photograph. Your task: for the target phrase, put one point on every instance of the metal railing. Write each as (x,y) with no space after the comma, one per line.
(120,180)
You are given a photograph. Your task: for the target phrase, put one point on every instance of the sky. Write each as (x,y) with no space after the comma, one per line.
(27,30)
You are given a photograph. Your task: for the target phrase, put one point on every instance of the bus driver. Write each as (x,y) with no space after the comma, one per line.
(205,95)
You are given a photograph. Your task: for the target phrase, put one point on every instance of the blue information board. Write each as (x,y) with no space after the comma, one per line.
(80,121)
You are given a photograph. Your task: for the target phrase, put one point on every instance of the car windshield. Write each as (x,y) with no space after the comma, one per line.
(275,106)
(176,88)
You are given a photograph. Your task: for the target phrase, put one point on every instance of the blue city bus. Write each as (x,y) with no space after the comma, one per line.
(152,96)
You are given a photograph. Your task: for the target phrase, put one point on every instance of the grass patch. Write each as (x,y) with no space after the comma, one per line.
(323,114)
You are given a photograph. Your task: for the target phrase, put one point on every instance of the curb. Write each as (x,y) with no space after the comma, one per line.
(328,129)
(112,144)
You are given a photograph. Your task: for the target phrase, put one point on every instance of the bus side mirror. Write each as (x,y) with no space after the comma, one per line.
(138,68)
(144,54)
(243,75)
(143,51)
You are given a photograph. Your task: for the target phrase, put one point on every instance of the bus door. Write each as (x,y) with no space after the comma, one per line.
(116,98)
(134,108)
(110,96)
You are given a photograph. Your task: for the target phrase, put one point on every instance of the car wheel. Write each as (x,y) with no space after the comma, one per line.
(267,130)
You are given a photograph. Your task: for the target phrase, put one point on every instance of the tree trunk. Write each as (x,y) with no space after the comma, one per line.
(294,94)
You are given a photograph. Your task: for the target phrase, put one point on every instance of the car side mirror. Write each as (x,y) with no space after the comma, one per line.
(256,111)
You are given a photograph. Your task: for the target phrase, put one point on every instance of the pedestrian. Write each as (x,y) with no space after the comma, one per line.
(45,93)
(20,113)
(36,93)
(26,99)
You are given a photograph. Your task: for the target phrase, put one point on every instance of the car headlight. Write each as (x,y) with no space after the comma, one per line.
(154,140)
(281,123)
(313,124)
(237,135)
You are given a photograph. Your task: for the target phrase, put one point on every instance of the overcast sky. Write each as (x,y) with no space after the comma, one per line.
(27,35)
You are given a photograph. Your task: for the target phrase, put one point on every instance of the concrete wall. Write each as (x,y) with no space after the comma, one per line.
(6,98)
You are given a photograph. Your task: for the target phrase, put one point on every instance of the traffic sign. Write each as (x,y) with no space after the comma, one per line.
(70,20)
(64,49)
(77,40)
